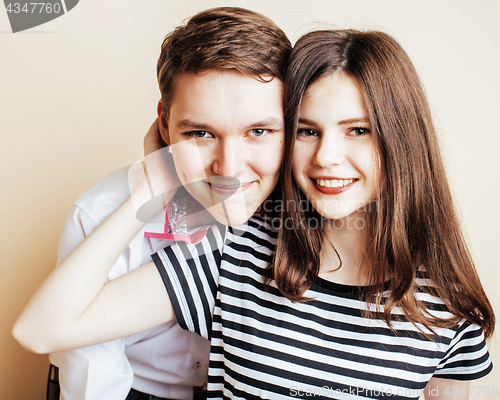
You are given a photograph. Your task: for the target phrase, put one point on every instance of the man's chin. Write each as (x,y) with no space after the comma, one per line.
(230,214)
(234,209)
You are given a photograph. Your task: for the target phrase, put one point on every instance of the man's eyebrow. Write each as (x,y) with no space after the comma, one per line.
(269,122)
(187,123)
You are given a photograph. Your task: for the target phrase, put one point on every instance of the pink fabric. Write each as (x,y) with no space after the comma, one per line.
(194,237)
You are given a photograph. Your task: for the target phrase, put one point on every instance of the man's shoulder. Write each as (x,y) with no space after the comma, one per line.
(104,196)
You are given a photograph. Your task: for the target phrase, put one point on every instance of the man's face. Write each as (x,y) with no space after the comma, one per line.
(235,123)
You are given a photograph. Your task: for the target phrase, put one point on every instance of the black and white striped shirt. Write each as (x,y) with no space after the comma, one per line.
(265,346)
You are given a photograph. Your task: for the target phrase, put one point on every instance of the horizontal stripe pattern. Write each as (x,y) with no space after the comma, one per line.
(266,347)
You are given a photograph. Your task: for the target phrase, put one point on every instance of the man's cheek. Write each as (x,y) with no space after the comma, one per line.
(188,161)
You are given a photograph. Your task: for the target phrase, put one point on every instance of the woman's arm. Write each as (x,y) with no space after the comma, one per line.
(74,307)
(446,389)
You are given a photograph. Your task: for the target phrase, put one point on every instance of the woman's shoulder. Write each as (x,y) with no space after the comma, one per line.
(258,226)
(256,233)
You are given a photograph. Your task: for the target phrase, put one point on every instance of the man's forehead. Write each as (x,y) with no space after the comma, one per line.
(204,101)
(224,77)
(264,77)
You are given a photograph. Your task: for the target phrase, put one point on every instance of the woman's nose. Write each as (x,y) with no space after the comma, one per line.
(330,151)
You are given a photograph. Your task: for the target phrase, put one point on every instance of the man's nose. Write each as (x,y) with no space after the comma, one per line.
(230,158)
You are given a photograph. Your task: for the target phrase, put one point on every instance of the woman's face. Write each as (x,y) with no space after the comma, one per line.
(336,161)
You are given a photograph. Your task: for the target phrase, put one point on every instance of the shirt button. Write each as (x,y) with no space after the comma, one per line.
(198,365)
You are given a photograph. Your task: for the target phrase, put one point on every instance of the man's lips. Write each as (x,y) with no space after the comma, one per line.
(228,189)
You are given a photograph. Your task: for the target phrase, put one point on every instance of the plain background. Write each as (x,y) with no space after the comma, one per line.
(78,93)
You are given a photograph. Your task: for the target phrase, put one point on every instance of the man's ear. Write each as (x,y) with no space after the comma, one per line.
(162,124)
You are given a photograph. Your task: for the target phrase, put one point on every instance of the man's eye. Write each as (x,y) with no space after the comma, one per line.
(259,132)
(197,134)
(306,132)
(359,131)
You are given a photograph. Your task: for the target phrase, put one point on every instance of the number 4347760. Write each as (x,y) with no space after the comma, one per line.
(474,391)
(45,8)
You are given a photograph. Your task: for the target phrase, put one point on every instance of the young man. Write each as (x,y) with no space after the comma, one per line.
(220,79)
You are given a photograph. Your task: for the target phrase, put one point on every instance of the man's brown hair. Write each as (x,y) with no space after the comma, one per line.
(222,38)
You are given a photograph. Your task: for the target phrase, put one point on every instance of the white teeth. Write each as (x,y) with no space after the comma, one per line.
(334,183)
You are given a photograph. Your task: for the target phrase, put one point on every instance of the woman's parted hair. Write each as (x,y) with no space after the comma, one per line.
(222,38)
(414,223)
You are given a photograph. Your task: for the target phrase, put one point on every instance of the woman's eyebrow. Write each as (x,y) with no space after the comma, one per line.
(364,120)
(354,121)
(306,121)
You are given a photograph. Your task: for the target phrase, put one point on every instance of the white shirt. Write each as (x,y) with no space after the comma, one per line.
(165,361)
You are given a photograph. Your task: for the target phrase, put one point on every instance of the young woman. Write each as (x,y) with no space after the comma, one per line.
(367,159)
(367,290)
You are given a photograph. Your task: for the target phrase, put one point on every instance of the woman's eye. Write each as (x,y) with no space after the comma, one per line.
(259,132)
(306,132)
(359,131)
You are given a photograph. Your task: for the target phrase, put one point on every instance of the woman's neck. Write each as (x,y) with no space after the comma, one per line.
(344,257)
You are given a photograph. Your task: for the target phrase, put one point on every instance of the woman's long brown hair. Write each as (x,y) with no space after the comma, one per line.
(414,223)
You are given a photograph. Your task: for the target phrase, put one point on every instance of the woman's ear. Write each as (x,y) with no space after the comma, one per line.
(162,124)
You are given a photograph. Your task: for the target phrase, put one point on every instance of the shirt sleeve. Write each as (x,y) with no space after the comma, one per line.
(467,357)
(190,273)
(95,372)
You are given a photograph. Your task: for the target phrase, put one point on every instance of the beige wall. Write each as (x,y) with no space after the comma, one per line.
(77,94)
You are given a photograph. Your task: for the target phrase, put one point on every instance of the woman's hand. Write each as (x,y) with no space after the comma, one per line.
(153,181)
(153,140)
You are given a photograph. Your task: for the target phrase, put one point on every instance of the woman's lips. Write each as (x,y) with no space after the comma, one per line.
(333,185)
